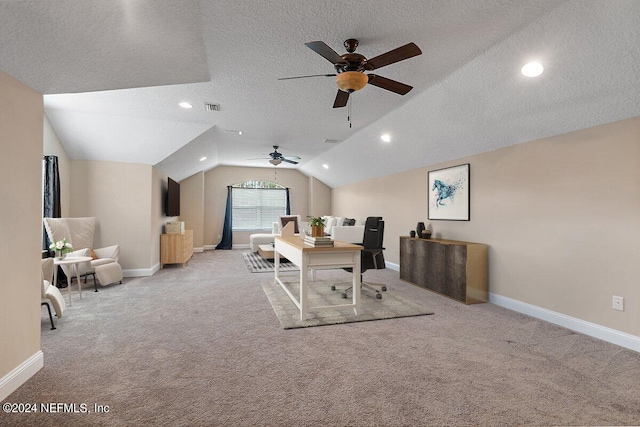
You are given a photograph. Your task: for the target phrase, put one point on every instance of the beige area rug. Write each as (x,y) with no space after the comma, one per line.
(320,293)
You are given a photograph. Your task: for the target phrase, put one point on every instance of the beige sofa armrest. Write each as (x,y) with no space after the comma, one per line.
(348,233)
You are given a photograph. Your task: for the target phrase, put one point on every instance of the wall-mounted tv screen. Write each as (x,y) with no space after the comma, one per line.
(173,198)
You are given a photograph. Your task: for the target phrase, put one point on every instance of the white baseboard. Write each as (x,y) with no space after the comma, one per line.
(198,250)
(18,376)
(613,336)
(141,272)
(209,247)
(392,266)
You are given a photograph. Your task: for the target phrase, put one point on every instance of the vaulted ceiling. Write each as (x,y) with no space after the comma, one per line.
(113,73)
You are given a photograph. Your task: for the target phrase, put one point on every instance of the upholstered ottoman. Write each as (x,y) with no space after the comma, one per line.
(260,239)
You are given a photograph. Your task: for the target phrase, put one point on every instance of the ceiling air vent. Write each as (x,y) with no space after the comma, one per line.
(211,107)
(330,141)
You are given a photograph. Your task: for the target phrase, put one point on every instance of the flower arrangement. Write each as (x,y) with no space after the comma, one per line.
(61,247)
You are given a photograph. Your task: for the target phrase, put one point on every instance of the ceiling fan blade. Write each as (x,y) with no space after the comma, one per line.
(284,159)
(291,157)
(304,77)
(341,99)
(407,51)
(325,51)
(388,84)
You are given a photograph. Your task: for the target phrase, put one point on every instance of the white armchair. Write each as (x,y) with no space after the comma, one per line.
(80,232)
(49,292)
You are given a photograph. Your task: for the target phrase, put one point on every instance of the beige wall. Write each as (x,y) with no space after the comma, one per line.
(21,130)
(216,182)
(53,147)
(120,196)
(319,198)
(561,216)
(192,207)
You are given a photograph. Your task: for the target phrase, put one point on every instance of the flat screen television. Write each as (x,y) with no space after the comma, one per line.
(173,198)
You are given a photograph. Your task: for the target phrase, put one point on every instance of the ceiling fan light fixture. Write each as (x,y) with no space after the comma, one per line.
(351,81)
(275,162)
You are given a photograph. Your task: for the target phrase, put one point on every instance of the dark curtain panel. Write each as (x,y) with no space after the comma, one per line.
(51,193)
(227,234)
(288,208)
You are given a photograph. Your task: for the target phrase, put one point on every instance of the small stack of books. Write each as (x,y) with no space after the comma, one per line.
(318,242)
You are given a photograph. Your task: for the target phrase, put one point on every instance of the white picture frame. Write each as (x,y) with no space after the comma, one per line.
(448,194)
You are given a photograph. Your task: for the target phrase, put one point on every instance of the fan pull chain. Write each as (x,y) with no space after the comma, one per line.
(349,111)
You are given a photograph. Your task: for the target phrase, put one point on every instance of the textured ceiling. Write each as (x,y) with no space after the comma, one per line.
(114,72)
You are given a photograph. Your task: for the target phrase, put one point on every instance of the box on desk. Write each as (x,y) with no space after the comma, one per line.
(174,227)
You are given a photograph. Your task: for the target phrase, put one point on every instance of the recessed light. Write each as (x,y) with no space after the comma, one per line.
(185,105)
(326,166)
(239,132)
(202,159)
(532,69)
(386,137)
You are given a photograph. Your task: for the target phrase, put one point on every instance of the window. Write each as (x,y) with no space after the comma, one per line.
(257,205)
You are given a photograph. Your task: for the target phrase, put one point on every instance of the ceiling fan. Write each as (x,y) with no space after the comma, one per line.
(276,158)
(351,66)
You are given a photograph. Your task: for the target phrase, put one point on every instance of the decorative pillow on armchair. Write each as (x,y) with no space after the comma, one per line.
(284,220)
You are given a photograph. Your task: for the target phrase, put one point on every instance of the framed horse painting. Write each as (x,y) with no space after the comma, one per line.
(449,191)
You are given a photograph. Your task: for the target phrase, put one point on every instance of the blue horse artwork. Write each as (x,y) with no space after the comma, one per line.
(444,192)
(448,193)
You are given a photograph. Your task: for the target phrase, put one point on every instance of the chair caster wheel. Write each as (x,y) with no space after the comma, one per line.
(344,295)
(333,288)
(384,289)
(378,296)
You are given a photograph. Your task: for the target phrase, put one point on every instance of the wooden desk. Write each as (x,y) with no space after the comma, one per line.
(341,255)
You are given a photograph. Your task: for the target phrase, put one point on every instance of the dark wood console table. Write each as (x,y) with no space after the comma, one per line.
(453,268)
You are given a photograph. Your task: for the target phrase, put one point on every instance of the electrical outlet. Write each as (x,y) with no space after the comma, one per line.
(618,303)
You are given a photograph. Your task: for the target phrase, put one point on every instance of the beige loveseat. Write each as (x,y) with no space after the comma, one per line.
(79,232)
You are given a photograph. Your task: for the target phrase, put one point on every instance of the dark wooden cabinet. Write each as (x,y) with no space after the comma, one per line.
(456,269)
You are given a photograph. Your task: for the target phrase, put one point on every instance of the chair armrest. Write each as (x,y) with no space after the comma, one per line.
(108,252)
(348,233)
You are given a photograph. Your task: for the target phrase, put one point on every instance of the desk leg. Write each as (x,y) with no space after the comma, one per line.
(304,276)
(276,265)
(357,274)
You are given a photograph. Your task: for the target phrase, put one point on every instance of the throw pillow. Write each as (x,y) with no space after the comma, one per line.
(93,254)
(349,222)
(284,220)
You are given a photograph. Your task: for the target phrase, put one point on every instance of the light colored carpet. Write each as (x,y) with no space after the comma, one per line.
(320,294)
(256,264)
(201,346)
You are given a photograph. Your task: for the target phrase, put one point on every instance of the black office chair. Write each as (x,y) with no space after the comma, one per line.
(371,257)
